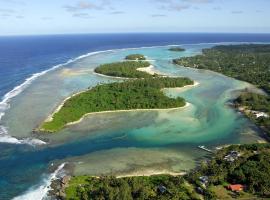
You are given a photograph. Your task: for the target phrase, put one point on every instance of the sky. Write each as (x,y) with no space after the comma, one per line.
(35,17)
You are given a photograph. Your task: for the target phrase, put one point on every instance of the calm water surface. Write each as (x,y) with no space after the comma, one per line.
(119,143)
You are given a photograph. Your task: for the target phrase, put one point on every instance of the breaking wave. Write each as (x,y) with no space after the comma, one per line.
(5,103)
(40,191)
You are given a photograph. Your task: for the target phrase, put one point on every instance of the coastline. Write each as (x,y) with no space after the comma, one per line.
(131,110)
(180,89)
(50,117)
(115,77)
(150,70)
(58,186)
(152,173)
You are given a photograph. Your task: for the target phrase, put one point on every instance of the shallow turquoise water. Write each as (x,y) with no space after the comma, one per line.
(130,142)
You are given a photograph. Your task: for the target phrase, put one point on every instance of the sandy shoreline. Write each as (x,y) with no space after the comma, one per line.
(131,110)
(150,172)
(149,70)
(50,117)
(179,89)
(116,77)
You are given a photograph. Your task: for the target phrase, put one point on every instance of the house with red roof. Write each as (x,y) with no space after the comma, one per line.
(236,187)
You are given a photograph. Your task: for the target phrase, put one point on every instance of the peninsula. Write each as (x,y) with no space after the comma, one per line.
(143,92)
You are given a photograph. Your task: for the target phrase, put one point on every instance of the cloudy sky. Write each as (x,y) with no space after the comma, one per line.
(24,17)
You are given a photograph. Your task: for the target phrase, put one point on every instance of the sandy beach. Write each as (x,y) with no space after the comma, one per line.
(50,117)
(132,110)
(186,87)
(115,77)
(150,70)
(151,173)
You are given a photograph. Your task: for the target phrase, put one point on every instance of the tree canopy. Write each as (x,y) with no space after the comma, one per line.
(128,95)
(247,62)
(135,57)
(126,69)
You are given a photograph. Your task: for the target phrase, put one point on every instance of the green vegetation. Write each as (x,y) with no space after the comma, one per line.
(176,49)
(250,62)
(251,169)
(256,102)
(127,69)
(111,188)
(128,95)
(135,57)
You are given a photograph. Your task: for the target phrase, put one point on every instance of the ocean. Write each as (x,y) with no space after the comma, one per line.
(25,60)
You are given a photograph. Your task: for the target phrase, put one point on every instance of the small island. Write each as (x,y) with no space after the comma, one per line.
(143,92)
(128,95)
(179,49)
(126,69)
(135,57)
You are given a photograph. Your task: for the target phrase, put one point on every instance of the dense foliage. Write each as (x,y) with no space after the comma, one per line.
(127,69)
(176,49)
(111,188)
(132,94)
(135,57)
(256,102)
(249,62)
(251,169)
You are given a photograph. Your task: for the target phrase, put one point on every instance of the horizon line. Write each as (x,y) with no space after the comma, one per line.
(108,33)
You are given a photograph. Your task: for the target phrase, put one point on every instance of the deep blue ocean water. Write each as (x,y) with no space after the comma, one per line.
(22,56)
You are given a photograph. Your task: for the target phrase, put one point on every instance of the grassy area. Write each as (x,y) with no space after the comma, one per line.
(127,69)
(128,95)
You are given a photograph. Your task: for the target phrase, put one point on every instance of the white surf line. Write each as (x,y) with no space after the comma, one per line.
(40,191)
(4,104)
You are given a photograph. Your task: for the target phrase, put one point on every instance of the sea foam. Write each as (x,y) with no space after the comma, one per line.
(40,191)
(5,103)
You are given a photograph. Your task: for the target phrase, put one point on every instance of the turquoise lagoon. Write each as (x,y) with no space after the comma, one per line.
(123,143)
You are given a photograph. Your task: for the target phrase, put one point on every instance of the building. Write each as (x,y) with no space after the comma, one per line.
(236,188)
(232,156)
